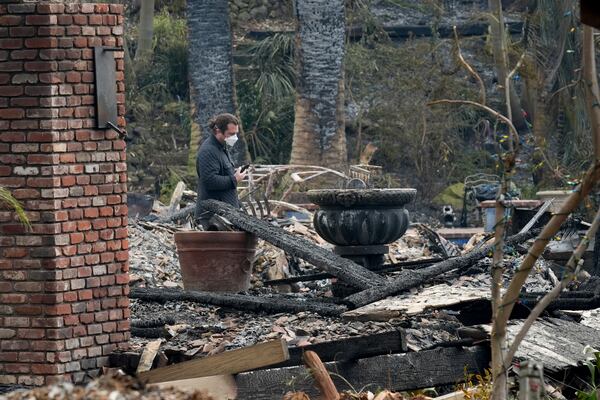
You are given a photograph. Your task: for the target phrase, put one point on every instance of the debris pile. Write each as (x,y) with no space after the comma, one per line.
(438,302)
(114,387)
(153,255)
(203,330)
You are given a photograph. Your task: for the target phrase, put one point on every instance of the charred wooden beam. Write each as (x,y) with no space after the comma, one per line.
(346,349)
(395,372)
(153,322)
(346,270)
(408,279)
(566,303)
(273,304)
(352,348)
(148,333)
(385,268)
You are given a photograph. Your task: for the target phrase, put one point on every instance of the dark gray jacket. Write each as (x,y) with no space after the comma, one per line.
(216,175)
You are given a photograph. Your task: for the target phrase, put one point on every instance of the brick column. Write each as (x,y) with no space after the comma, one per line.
(64,282)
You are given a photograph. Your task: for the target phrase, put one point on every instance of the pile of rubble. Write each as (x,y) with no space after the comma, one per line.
(112,387)
(202,329)
(207,330)
(152,255)
(440,318)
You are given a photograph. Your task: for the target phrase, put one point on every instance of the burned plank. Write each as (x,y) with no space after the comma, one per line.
(341,268)
(353,348)
(438,296)
(394,372)
(556,343)
(347,349)
(567,301)
(229,362)
(385,268)
(272,304)
(409,279)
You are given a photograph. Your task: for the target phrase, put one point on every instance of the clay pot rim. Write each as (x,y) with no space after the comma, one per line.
(209,236)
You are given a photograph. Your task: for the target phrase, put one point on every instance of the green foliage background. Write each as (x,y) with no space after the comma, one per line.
(388,86)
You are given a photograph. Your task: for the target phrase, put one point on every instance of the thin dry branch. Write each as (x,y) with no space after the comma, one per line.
(511,127)
(470,69)
(566,87)
(573,266)
(507,85)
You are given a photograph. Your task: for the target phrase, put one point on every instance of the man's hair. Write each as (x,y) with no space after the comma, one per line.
(221,121)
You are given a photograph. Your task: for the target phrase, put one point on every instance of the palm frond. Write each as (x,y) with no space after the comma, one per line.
(7,199)
(273,58)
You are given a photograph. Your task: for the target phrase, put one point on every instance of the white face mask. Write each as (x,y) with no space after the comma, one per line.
(231,140)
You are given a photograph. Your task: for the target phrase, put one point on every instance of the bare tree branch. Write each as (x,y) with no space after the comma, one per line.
(507,86)
(470,69)
(513,130)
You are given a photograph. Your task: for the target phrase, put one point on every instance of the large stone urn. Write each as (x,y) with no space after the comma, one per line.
(361,222)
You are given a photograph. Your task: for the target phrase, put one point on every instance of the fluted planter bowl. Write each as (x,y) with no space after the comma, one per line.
(361,217)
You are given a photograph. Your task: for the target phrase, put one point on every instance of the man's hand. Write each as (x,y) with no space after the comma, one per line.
(239,175)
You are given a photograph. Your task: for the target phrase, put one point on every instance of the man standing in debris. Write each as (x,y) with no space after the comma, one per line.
(217,176)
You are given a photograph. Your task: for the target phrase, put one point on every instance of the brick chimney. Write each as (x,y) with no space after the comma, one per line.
(64,281)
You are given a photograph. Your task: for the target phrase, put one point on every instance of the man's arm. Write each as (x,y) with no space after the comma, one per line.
(208,164)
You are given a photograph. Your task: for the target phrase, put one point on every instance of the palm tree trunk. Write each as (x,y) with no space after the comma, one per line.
(146,31)
(319,128)
(211,67)
(590,74)
(501,60)
(539,136)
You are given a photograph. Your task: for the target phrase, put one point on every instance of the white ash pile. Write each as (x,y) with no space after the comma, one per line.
(153,256)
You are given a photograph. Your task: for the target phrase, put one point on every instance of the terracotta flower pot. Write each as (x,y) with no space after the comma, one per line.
(215,261)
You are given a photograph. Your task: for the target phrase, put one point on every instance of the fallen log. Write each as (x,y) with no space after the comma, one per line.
(396,372)
(383,269)
(408,279)
(272,304)
(343,269)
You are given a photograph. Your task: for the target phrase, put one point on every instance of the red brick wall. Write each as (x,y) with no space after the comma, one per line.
(63,283)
